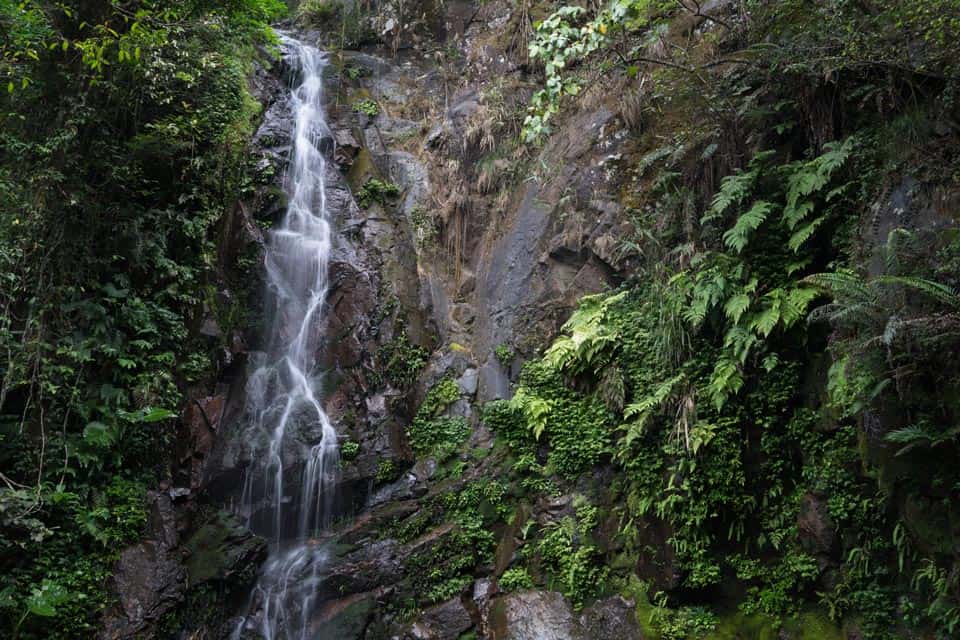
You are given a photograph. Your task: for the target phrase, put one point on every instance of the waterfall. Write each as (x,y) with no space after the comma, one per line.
(295,460)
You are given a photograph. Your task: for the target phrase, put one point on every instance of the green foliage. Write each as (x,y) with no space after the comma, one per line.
(376,191)
(445,567)
(504,354)
(369,108)
(578,429)
(515,579)
(683,623)
(573,564)
(387,471)
(355,72)
(431,433)
(349,451)
(566,37)
(705,365)
(508,424)
(123,142)
(400,360)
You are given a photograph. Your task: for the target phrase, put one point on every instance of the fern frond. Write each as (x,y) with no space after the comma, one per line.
(560,353)
(725,380)
(765,321)
(794,213)
(796,303)
(936,290)
(736,306)
(737,237)
(733,190)
(911,436)
(844,284)
(799,237)
(535,410)
(835,157)
(740,341)
(643,409)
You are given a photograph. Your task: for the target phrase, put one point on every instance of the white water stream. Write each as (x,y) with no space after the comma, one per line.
(289,430)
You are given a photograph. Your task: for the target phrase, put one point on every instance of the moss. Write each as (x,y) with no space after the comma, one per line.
(738,626)
(351,621)
(218,548)
(362,169)
(812,626)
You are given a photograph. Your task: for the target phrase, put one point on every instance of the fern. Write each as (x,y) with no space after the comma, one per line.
(736,306)
(804,233)
(642,410)
(935,290)
(535,410)
(590,336)
(844,284)
(737,237)
(734,189)
(919,435)
(766,321)
(739,342)
(796,303)
(805,179)
(726,380)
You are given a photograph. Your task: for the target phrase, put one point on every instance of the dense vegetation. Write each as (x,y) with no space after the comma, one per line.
(757,430)
(779,363)
(123,127)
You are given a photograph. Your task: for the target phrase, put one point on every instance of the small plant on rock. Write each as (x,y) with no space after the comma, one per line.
(504,354)
(367,107)
(376,191)
(515,579)
(349,451)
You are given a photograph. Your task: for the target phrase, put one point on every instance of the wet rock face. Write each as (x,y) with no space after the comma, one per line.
(815,527)
(547,615)
(443,622)
(151,578)
(499,269)
(148,577)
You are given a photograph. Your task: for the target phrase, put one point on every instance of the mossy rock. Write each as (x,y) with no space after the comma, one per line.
(362,169)
(739,626)
(223,549)
(351,620)
(812,626)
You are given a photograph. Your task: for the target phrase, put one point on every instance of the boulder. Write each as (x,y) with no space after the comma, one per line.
(148,578)
(547,615)
(815,528)
(446,621)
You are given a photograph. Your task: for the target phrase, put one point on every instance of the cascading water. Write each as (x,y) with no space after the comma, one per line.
(289,430)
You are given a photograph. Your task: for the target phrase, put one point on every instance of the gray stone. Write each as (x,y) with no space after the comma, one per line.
(532,615)
(446,621)
(610,619)
(468,381)
(547,615)
(148,577)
